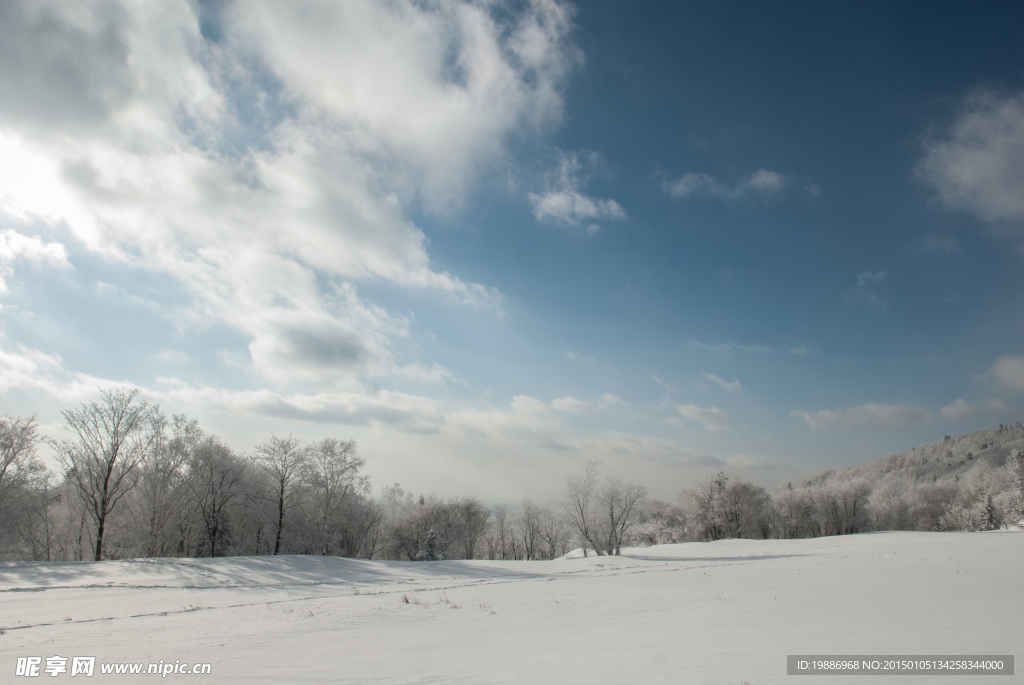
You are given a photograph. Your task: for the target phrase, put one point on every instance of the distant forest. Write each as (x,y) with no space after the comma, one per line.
(133,483)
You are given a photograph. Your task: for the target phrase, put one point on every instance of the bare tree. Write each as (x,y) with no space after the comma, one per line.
(111,440)
(553,531)
(579,500)
(706,500)
(527,524)
(470,518)
(618,501)
(282,459)
(500,533)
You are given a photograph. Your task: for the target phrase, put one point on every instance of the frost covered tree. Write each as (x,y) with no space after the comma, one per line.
(989,515)
(159,503)
(1017,486)
(282,460)
(600,515)
(618,502)
(111,439)
(18,461)
(580,502)
(331,472)
(432,549)
(216,481)
(23,481)
(706,504)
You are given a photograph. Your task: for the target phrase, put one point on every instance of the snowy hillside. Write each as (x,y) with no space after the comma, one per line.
(716,613)
(951,456)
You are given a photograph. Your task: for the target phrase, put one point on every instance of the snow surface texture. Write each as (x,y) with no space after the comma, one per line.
(722,612)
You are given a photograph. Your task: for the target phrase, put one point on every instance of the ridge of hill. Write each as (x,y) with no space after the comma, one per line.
(949,458)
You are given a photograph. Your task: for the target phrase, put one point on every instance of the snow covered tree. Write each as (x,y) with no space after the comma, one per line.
(19,469)
(619,502)
(216,481)
(431,548)
(282,460)
(18,462)
(579,500)
(1017,485)
(159,503)
(331,473)
(989,515)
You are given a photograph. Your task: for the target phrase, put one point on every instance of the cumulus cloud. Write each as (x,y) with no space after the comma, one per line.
(609,400)
(877,416)
(976,164)
(760,184)
(728,386)
(1009,372)
(714,419)
(571,405)
(273,167)
(15,247)
(562,202)
(960,410)
(24,368)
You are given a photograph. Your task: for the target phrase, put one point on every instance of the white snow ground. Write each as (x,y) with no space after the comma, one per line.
(717,613)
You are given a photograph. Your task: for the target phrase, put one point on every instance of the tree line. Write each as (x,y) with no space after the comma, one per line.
(135,483)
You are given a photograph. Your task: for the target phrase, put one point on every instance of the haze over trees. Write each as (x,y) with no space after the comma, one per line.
(133,483)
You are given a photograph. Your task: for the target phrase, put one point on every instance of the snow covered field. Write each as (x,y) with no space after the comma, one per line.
(723,612)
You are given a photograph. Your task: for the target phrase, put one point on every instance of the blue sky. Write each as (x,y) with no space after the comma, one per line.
(492,241)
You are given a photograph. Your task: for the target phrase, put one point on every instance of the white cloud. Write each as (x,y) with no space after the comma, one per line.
(760,184)
(610,400)
(563,203)
(571,207)
(729,346)
(663,383)
(172,356)
(27,369)
(571,405)
(233,359)
(960,410)
(272,170)
(728,386)
(434,374)
(714,419)
(1009,372)
(977,163)
(935,243)
(878,416)
(870,289)
(24,367)
(801,350)
(501,452)
(576,357)
(15,247)
(356,407)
